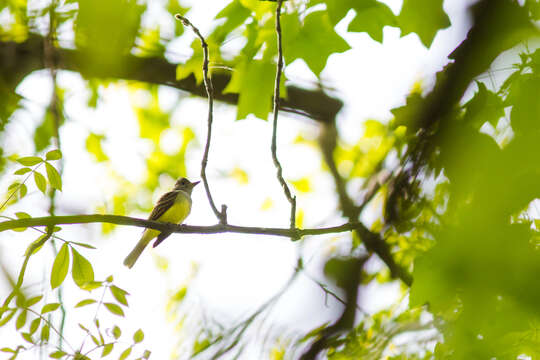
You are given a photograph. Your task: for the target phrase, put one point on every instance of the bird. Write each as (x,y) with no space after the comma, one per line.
(173,207)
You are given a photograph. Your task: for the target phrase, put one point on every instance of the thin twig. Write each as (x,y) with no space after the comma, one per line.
(221,215)
(172,228)
(279,70)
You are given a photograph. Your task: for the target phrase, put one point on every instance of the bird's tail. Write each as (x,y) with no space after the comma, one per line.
(130,260)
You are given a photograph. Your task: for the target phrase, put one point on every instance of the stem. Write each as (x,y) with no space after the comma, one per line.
(279,70)
(222,216)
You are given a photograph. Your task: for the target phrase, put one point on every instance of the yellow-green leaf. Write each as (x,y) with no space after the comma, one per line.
(54,177)
(107,349)
(29,160)
(21,320)
(57,354)
(125,354)
(45,331)
(60,267)
(49,307)
(85,302)
(41,183)
(115,309)
(34,325)
(22,171)
(81,269)
(138,336)
(54,155)
(33,301)
(119,294)
(116,332)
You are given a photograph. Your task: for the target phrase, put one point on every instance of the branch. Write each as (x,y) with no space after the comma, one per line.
(279,69)
(372,241)
(20,59)
(169,227)
(222,216)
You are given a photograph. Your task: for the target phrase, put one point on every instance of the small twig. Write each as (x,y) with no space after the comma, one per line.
(222,216)
(279,70)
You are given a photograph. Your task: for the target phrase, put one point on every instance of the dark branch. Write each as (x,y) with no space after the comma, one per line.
(277,164)
(222,216)
(18,60)
(168,227)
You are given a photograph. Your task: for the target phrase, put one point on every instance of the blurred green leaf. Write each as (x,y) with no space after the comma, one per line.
(85,302)
(34,325)
(21,320)
(107,349)
(49,307)
(22,171)
(115,309)
(125,354)
(57,354)
(54,177)
(41,183)
(116,332)
(53,155)
(33,301)
(81,269)
(423,17)
(138,336)
(60,267)
(29,160)
(119,294)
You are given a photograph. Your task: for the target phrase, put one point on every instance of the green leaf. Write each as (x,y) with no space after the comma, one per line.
(6,349)
(57,354)
(36,245)
(91,285)
(81,269)
(88,246)
(371,17)
(41,183)
(29,160)
(21,320)
(54,155)
(138,336)
(125,354)
(313,42)
(33,301)
(28,337)
(119,294)
(93,146)
(115,309)
(34,325)
(23,190)
(60,267)
(253,81)
(85,302)
(423,17)
(107,349)
(45,332)
(22,215)
(22,171)
(49,307)
(54,177)
(116,332)
(7,317)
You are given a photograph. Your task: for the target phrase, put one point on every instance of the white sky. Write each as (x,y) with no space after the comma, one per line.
(237,273)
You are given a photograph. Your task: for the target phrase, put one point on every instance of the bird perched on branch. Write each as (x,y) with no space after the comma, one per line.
(172,207)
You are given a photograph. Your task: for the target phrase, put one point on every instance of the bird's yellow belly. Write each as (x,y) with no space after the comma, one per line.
(175,214)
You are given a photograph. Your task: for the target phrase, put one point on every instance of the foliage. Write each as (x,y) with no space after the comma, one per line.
(451,180)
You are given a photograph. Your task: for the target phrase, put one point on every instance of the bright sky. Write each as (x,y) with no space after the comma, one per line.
(237,273)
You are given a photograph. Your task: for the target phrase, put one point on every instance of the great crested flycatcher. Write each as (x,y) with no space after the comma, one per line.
(172,207)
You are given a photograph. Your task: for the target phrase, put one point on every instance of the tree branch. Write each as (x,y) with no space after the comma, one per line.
(18,60)
(169,227)
(222,216)
(279,69)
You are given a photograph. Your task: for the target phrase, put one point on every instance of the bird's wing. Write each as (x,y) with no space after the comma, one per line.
(164,203)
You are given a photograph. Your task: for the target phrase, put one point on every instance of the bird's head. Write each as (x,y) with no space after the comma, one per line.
(185,185)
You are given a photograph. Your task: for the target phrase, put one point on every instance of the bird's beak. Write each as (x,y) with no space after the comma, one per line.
(194,183)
